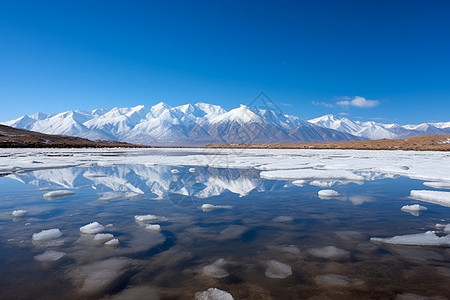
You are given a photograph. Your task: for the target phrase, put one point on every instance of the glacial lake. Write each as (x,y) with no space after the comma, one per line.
(228,221)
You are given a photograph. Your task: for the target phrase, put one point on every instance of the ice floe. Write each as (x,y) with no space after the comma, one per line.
(328,193)
(58,194)
(46,235)
(299,182)
(216,269)
(437,184)
(174,171)
(329,252)
(276,269)
(208,207)
(289,164)
(103,237)
(92,228)
(144,219)
(18,213)
(414,209)
(213,294)
(435,197)
(49,255)
(335,280)
(112,243)
(192,170)
(429,238)
(153,227)
(311,174)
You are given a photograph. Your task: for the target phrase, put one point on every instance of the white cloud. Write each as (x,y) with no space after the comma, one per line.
(358,101)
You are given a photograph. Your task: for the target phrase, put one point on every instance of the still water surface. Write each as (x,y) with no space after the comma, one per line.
(268,239)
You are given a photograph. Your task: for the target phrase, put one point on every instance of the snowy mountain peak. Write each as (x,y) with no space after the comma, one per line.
(373,130)
(204,123)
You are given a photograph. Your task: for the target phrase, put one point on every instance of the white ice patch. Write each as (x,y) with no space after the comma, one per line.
(216,269)
(153,227)
(311,174)
(329,252)
(335,280)
(58,194)
(192,170)
(112,243)
(437,184)
(428,238)
(328,193)
(213,294)
(276,269)
(46,235)
(435,197)
(414,209)
(283,219)
(19,213)
(174,171)
(299,182)
(209,207)
(143,219)
(49,255)
(92,228)
(103,237)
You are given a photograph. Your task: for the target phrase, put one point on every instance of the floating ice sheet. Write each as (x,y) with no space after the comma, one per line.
(213,294)
(103,237)
(435,197)
(428,238)
(143,219)
(208,207)
(311,174)
(414,209)
(276,269)
(328,193)
(58,194)
(46,235)
(437,184)
(92,228)
(19,213)
(112,243)
(299,182)
(153,227)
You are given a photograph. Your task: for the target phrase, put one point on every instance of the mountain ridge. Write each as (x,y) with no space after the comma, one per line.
(203,123)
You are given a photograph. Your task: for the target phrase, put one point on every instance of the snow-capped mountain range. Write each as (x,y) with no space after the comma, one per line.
(202,123)
(190,124)
(374,131)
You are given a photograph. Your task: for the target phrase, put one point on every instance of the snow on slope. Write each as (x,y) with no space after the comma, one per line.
(203,123)
(375,131)
(189,124)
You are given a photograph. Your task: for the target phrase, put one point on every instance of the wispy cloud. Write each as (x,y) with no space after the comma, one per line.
(358,101)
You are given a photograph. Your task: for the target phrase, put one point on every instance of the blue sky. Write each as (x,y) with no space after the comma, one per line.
(372,60)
